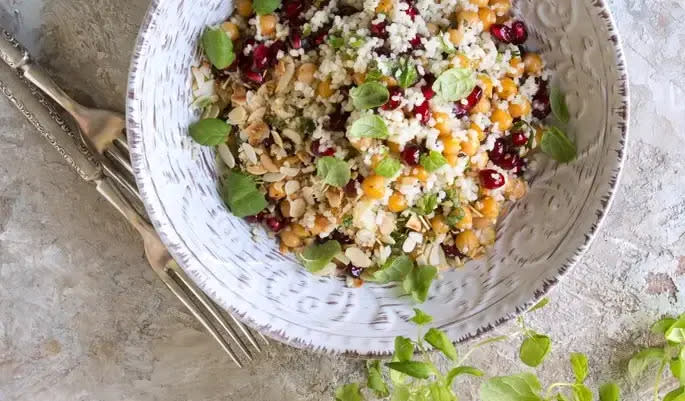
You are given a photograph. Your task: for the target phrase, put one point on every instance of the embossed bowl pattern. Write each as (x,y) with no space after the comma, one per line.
(538,239)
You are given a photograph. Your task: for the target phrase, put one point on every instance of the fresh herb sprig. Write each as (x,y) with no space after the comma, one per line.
(555,142)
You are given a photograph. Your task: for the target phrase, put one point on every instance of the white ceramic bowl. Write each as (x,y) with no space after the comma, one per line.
(539,239)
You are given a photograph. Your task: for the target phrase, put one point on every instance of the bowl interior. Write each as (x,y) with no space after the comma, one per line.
(239,267)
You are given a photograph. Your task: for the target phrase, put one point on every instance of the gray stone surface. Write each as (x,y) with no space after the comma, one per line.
(83,318)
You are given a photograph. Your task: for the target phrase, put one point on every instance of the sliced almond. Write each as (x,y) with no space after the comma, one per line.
(290,171)
(250,153)
(277,138)
(414,223)
(257,115)
(268,164)
(257,132)
(273,177)
(293,135)
(334,197)
(237,116)
(387,225)
(297,207)
(291,187)
(357,257)
(239,96)
(226,155)
(256,169)
(284,71)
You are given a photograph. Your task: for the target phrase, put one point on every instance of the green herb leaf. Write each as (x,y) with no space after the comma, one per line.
(426,204)
(375,379)
(400,393)
(534,349)
(333,171)
(388,167)
(373,75)
(440,392)
(262,7)
(369,126)
(218,47)
(561,397)
(462,370)
(418,282)
(421,318)
(395,268)
(662,325)
(609,392)
(349,392)
(404,349)
(557,101)
(406,74)
(676,333)
(210,131)
(336,42)
(675,395)
(557,145)
(581,393)
(580,366)
(456,216)
(433,161)
(347,220)
(439,340)
(447,45)
(316,256)
(543,302)
(522,387)
(639,362)
(678,369)
(369,95)
(242,196)
(455,84)
(419,370)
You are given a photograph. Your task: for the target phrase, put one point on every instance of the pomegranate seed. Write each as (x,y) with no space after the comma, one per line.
(293,9)
(519,33)
(320,36)
(395,99)
(520,167)
(355,271)
(541,105)
(423,111)
(519,138)
(498,151)
(341,237)
(461,108)
(351,186)
(318,151)
(501,32)
(427,91)
(491,179)
(378,30)
(416,42)
(256,218)
(411,154)
(508,161)
(260,57)
(274,223)
(276,47)
(451,251)
(254,77)
(412,12)
(295,39)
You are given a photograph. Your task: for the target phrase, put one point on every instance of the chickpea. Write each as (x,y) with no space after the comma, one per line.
(479,132)
(452,159)
(486,84)
(320,225)
(517,67)
(508,88)
(456,36)
(479,3)
(467,242)
(532,63)
(442,123)
(502,118)
(384,7)
(516,189)
(420,173)
(461,60)
(489,207)
(374,186)
(267,24)
(468,18)
(471,146)
(276,191)
(397,202)
(284,207)
(451,145)
(305,73)
(501,7)
(483,106)
(480,223)
(487,17)
(466,221)
(439,226)
(299,230)
(482,160)
(290,239)
(432,28)
(244,7)
(324,89)
(231,29)
(518,110)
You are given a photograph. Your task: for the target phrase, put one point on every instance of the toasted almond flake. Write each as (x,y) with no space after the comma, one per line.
(293,135)
(257,115)
(290,171)
(239,96)
(414,223)
(409,245)
(387,225)
(334,197)
(237,116)
(250,153)
(284,71)
(273,177)
(388,240)
(297,207)
(342,258)
(226,155)
(291,187)
(268,164)
(257,132)
(255,169)
(277,138)
(358,257)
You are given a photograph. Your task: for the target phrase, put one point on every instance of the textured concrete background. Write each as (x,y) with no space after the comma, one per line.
(83,318)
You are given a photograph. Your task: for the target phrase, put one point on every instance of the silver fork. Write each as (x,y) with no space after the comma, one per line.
(102,132)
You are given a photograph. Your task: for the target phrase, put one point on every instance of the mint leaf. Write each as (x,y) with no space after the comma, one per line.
(580,366)
(395,268)
(609,392)
(534,349)
(581,393)
(557,101)
(541,304)
(556,144)
(406,74)
(316,256)
(418,282)
(455,84)
(522,387)
(440,392)
(662,325)
(400,393)
(676,333)
(336,42)
(675,395)
(262,7)
(426,204)
(433,161)
(369,95)
(375,379)
(462,370)
(218,48)
(439,340)
(388,167)
(639,362)
(678,370)
(210,131)
(242,196)
(419,370)
(369,126)
(349,392)
(333,171)
(404,349)
(373,75)
(421,318)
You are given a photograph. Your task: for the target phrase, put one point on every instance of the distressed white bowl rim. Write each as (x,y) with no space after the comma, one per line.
(185,257)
